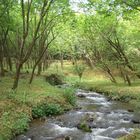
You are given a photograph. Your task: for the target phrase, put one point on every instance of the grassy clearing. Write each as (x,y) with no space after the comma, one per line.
(18,107)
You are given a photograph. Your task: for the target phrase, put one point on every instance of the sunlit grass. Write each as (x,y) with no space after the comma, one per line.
(14,103)
(16,106)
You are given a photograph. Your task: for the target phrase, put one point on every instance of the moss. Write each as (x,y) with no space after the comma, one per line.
(54,79)
(84,127)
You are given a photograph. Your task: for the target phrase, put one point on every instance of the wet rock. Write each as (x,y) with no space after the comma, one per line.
(63,138)
(68,138)
(119,133)
(92,125)
(109,99)
(77,108)
(66,109)
(81,95)
(21,137)
(135,121)
(107,112)
(54,79)
(130,110)
(126,119)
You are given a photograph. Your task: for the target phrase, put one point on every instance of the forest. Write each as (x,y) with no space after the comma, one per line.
(69,69)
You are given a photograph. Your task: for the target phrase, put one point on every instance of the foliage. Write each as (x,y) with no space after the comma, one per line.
(14,124)
(79,70)
(84,126)
(46,110)
(16,106)
(70,96)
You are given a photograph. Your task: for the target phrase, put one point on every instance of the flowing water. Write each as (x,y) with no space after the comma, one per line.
(112,120)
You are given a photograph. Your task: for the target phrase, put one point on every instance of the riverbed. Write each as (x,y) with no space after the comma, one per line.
(112,119)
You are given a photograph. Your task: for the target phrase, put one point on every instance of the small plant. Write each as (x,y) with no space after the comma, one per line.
(46,110)
(70,97)
(79,69)
(38,111)
(15,124)
(21,124)
(84,126)
(53,109)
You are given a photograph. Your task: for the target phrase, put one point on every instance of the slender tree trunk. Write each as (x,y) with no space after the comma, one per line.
(128,80)
(2,73)
(10,64)
(122,75)
(32,74)
(112,78)
(15,84)
(39,68)
(61,61)
(28,65)
(2,68)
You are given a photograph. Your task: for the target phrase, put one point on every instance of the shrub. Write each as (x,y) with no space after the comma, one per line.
(70,97)
(53,109)
(79,69)
(46,110)
(21,124)
(13,123)
(84,126)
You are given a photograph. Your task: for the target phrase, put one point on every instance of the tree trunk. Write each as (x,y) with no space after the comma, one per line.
(32,74)
(112,78)
(39,68)
(61,61)
(1,62)
(2,73)
(128,80)
(122,75)
(10,64)
(15,85)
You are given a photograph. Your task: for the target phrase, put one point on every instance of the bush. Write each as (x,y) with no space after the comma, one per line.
(70,97)
(79,69)
(53,109)
(21,124)
(84,126)
(46,110)
(13,125)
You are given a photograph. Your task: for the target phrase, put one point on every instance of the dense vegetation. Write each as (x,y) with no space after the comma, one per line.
(96,45)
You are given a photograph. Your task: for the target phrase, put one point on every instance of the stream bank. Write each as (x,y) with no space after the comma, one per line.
(112,119)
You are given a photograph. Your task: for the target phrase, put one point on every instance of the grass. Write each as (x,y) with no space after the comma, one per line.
(96,80)
(133,136)
(16,107)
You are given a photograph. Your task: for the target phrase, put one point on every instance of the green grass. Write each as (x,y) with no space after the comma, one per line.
(16,107)
(134,136)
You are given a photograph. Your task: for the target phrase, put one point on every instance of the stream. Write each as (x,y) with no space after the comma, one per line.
(113,119)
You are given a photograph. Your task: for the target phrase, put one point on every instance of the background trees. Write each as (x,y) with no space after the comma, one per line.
(105,34)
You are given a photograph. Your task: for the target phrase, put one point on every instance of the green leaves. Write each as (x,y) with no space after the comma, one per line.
(42,110)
